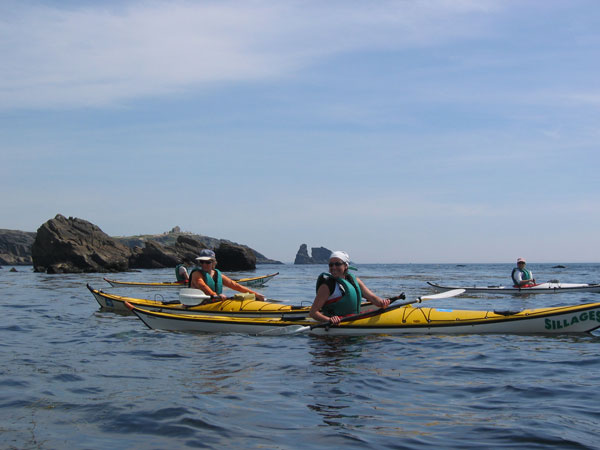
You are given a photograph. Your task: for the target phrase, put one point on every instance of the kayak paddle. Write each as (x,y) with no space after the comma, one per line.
(293,329)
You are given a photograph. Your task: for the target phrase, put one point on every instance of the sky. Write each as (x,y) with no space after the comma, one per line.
(432,131)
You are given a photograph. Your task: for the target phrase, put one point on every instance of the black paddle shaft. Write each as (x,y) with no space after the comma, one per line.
(375,312)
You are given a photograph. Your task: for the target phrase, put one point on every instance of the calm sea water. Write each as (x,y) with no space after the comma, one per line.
(72,376)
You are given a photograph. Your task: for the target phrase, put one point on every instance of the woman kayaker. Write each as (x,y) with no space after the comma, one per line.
(181,272)
(521,276)
(339,293)
(211,281)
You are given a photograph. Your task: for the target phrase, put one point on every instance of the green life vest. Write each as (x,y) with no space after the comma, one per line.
(178,276)
(525,275)
(215,285)
(349,302)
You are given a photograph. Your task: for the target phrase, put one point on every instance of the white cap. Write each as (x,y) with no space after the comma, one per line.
(340,255)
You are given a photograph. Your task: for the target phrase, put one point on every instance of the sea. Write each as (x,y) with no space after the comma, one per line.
(73,376)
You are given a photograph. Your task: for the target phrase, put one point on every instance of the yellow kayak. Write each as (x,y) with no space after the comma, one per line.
(242,305)
(397,319)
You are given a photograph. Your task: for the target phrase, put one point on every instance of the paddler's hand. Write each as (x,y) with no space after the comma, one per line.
(259,297)
(382,303)
(335,320)
(221,297)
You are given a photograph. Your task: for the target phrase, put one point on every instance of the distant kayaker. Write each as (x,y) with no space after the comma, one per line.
(339,293)
(181,272)
(521,276)
(211,281)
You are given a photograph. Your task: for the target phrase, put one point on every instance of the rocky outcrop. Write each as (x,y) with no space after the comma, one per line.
(153,256)
(233,257)
(302,257)
(320,255)
(188,248)
(156,256)
(176,236)
(15,247)
(75,246)
(262,259)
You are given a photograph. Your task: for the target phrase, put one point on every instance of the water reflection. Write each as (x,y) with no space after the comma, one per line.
(329,351)
(334,386)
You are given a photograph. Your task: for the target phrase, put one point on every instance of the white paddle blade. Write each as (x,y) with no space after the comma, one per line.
(192,297)
(445,294)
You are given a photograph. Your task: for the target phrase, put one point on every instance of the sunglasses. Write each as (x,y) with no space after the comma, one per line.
(206,262)
(336,264)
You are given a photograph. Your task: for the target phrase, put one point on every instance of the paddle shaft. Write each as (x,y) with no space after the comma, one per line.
(377,312)
(368,313)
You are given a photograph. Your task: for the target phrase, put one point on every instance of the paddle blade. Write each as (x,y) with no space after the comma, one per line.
(446,294)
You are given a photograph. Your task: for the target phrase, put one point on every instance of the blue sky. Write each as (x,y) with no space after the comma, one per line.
(399,131)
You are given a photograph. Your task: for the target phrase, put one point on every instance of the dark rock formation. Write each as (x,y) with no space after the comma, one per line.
(15,247)
(302,257)
(188,248)
(262,259)
(172,238)
(153,256)
(320,255)
(231,257)
(74,246)
(560,266)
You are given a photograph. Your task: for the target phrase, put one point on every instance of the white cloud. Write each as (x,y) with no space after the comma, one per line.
(95,55)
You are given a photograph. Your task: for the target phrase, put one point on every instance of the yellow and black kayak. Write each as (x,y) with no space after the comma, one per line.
(241,305)
(397,319)
(252,281)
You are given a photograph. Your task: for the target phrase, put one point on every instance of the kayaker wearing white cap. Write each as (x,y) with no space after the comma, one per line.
(521,276)
(339,293)
(211,281)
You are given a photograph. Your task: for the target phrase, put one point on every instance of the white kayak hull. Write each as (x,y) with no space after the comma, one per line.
(543,288)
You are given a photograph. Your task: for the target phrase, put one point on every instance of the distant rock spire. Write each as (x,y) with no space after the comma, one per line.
(320,255)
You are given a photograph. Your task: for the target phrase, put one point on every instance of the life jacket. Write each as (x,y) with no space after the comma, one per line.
(216,284)
(177,274)
(525,275)
(348,302)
